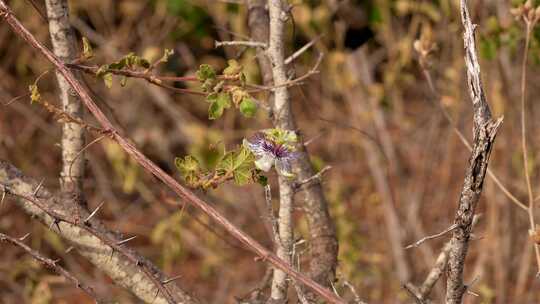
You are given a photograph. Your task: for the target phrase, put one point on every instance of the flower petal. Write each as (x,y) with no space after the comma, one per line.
(265,162)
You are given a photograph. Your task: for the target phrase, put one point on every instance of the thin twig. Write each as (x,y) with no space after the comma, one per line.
(302,50)
(315,178)
(82,151)
(351,287)
(58,218)
(241,43)
(151,167)
(430,237)
(528,30)
(52,265)
(464,140)
(414,293)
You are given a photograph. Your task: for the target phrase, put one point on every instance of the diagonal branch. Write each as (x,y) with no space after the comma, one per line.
(52,265)
(485,130)
(151,167)
(127,269)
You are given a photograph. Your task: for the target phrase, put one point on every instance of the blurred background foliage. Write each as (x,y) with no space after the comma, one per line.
(332,112)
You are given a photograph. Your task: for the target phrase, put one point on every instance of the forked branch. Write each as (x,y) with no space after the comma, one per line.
(485,130)
(150,167)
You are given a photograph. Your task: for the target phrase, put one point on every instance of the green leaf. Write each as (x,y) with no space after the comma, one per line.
(107,79)
(206,72)
(143,63)
(224,99)
(238,163)
(102,70)
(129,60)
(87,49)
(244,165)
(233,68)
(248,107)
(215,110)
(281,136)
(118,65)
(187,164)
(226,163)
(189,168)
(218,103)
(35,96)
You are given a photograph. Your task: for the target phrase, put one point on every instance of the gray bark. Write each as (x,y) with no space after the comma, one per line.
(323,241)
(122,271)
(485,129)
(64,46)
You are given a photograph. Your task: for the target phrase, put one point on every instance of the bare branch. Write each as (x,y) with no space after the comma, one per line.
(52,265)
(241,43)
(151,167)
(485,130)
(323,241)
(315,178)
(430,237)
(302,50)
(283,120)
(91,239)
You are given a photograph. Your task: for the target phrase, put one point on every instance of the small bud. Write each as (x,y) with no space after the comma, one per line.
(417,45)
(528,5)
(535,235)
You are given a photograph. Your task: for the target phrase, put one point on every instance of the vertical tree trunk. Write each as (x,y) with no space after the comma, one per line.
(323,241)
(64,46)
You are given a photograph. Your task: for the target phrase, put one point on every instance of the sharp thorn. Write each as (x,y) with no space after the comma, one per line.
(93,212)
(38,188)
(126,240)
(171,279)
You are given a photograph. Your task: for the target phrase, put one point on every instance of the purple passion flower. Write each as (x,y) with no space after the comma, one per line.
(273,147)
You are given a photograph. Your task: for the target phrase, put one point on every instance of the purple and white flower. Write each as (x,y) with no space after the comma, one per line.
(270,152)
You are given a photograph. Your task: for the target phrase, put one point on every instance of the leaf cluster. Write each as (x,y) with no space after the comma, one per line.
(226,90)
(237,165)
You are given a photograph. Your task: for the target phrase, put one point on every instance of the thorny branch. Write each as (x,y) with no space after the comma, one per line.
(485,130)
(11,183)
(151,167)
(52,264)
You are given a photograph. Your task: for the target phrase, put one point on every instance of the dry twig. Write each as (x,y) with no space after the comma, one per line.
(149,166)
(485,130)
(52,264)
